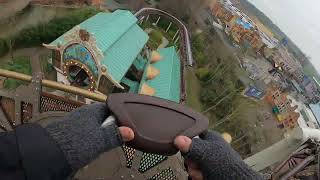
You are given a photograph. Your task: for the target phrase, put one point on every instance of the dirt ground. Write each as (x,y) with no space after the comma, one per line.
(265,127)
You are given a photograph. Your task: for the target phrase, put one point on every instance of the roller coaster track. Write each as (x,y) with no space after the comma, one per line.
(185,48)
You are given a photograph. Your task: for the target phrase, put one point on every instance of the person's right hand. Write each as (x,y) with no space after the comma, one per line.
(211,157)
(183,143)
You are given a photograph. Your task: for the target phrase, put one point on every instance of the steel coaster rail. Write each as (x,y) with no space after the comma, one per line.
(186,37)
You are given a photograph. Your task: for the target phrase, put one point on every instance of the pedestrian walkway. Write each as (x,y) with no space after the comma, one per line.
(164,43)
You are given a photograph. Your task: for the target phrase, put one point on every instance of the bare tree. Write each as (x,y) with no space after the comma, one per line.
(220,101)
(11,39)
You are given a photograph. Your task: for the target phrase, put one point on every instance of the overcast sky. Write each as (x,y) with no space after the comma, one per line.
(300,20)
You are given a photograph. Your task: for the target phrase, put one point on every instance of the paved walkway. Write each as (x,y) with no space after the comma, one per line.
(164,43)
(35,61)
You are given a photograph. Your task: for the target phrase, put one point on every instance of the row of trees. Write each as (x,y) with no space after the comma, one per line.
(35,36)
(45,33)
(220,96)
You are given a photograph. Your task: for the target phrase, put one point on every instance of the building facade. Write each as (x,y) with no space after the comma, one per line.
(108,53)
(287,62)
(97,53)
(282,108)
(241,27)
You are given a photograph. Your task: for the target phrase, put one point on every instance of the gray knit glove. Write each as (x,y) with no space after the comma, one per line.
(217,160)
(81,137)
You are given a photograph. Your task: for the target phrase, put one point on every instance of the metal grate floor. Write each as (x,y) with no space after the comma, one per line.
(166,174)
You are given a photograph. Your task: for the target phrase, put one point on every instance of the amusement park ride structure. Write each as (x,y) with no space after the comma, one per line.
(43,101)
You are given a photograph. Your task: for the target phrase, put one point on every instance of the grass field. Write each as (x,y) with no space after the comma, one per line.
(19,64)
(155,39)
(193,90)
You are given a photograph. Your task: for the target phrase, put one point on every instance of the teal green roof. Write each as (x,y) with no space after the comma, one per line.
(167,84)
(140,63)
(120,56)
(133,85)
(118,37)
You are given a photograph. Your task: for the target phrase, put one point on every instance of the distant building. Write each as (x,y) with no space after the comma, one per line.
(298,75)
(316,111)
(243,28)
(306,119)
(288,63)
(269,41)
(310,89)
(297,86)
(96,2)
(254,92)
(285,113)
(316,81)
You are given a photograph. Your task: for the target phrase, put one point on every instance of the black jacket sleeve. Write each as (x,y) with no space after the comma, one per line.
(30,153)
(10,164)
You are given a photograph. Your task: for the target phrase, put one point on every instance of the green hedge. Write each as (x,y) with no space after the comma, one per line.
(46,33)
(202,73)
(198,49)
(155,39)
(21,65)
(156,36)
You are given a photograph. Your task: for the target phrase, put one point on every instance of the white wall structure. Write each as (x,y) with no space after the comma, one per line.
(61,78)
(307,129)
(306,119)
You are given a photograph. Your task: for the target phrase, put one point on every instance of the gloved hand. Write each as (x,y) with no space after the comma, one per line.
(81,137)
(211,157)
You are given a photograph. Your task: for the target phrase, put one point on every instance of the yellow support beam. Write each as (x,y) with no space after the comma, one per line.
(55,85)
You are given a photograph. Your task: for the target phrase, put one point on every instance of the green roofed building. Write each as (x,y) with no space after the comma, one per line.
(167,83)
(107,53)
(99,51)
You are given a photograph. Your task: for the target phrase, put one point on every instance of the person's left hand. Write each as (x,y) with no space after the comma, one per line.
(126,133)
(81,137)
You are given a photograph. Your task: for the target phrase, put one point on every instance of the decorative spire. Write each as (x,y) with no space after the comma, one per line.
(155,57)
(152,72)
(147,90)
